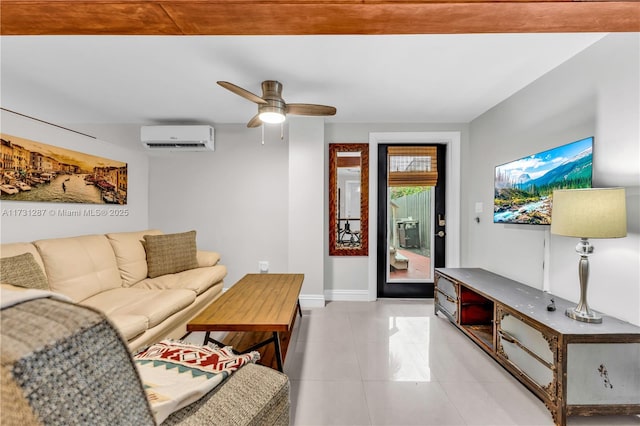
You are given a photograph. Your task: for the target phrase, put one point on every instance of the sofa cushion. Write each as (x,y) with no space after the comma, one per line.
(155,305)
(79,267)
(265,401)
(22,271)
(170,253)
(130,326)
(207,258)
(198,279)
(130,254)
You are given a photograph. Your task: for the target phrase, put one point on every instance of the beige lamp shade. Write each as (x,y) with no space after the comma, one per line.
(589,213)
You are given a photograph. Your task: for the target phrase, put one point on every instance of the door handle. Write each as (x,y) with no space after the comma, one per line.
(441,234)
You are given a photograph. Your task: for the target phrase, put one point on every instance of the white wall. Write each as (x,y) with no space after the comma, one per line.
(54,224)
(597,93)
(236,198)
(248,201)
(307,227)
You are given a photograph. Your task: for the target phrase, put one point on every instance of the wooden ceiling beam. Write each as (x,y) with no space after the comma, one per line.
(307,17)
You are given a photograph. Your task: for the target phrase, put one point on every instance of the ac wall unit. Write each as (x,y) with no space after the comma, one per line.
(177,138)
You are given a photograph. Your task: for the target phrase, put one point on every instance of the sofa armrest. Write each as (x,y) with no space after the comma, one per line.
(207,258)
(60,361)
(253,395)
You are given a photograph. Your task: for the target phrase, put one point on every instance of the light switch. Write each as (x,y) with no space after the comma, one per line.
(479,207)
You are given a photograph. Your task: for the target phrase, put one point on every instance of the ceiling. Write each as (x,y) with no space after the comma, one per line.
(368,78)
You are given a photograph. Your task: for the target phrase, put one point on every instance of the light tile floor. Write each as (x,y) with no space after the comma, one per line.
(392,362)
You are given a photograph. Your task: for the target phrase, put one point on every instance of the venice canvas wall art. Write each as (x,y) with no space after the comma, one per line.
(35,171)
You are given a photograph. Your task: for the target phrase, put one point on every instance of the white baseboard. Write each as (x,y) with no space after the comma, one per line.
(311,301)
(347,295)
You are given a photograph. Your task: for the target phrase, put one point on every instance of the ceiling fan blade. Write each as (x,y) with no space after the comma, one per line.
(242,92)
(255,121)
(310,109)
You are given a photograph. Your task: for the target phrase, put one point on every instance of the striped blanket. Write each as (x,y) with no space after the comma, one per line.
(176,374)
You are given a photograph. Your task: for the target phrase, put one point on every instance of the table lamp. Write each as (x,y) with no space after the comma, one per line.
(588,213)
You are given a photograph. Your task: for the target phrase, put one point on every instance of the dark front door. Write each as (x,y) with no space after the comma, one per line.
(411,218)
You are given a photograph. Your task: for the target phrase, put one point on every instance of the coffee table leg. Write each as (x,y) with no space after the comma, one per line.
(276,342)
(208,339)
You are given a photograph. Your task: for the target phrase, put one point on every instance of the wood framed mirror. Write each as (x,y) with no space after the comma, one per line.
(348,199)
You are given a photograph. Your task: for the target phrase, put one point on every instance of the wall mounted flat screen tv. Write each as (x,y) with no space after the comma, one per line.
(523,188)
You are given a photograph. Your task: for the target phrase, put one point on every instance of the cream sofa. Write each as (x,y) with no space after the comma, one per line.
(109,273)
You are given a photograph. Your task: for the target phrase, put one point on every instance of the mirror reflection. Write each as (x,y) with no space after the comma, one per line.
(348,198)
(348,167)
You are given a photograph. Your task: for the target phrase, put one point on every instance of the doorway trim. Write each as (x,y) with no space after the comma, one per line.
(452,140)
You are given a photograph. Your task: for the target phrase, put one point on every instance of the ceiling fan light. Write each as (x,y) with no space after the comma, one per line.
(271,117)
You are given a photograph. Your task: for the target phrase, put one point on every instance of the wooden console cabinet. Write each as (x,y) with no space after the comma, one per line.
(575,368)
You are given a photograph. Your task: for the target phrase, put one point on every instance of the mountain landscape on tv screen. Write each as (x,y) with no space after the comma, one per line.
(524,188)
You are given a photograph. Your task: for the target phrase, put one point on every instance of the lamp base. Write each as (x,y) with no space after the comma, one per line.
(584,316)
(582,312)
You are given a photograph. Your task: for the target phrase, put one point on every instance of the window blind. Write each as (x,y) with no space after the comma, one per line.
(412,166)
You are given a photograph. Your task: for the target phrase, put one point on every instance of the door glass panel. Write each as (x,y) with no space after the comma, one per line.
(409,235)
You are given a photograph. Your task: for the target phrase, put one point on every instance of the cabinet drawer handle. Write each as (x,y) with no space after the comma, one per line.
(506,336)
(446,296)
(509,338)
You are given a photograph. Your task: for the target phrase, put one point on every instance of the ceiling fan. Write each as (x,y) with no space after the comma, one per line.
(271,107)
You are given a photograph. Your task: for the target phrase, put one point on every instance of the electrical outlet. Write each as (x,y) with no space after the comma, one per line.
(263,266)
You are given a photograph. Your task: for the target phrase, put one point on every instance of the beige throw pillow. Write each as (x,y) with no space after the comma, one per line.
(170,253)
(23,271)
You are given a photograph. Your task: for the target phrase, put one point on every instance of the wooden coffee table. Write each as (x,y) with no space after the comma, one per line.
(256,303)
